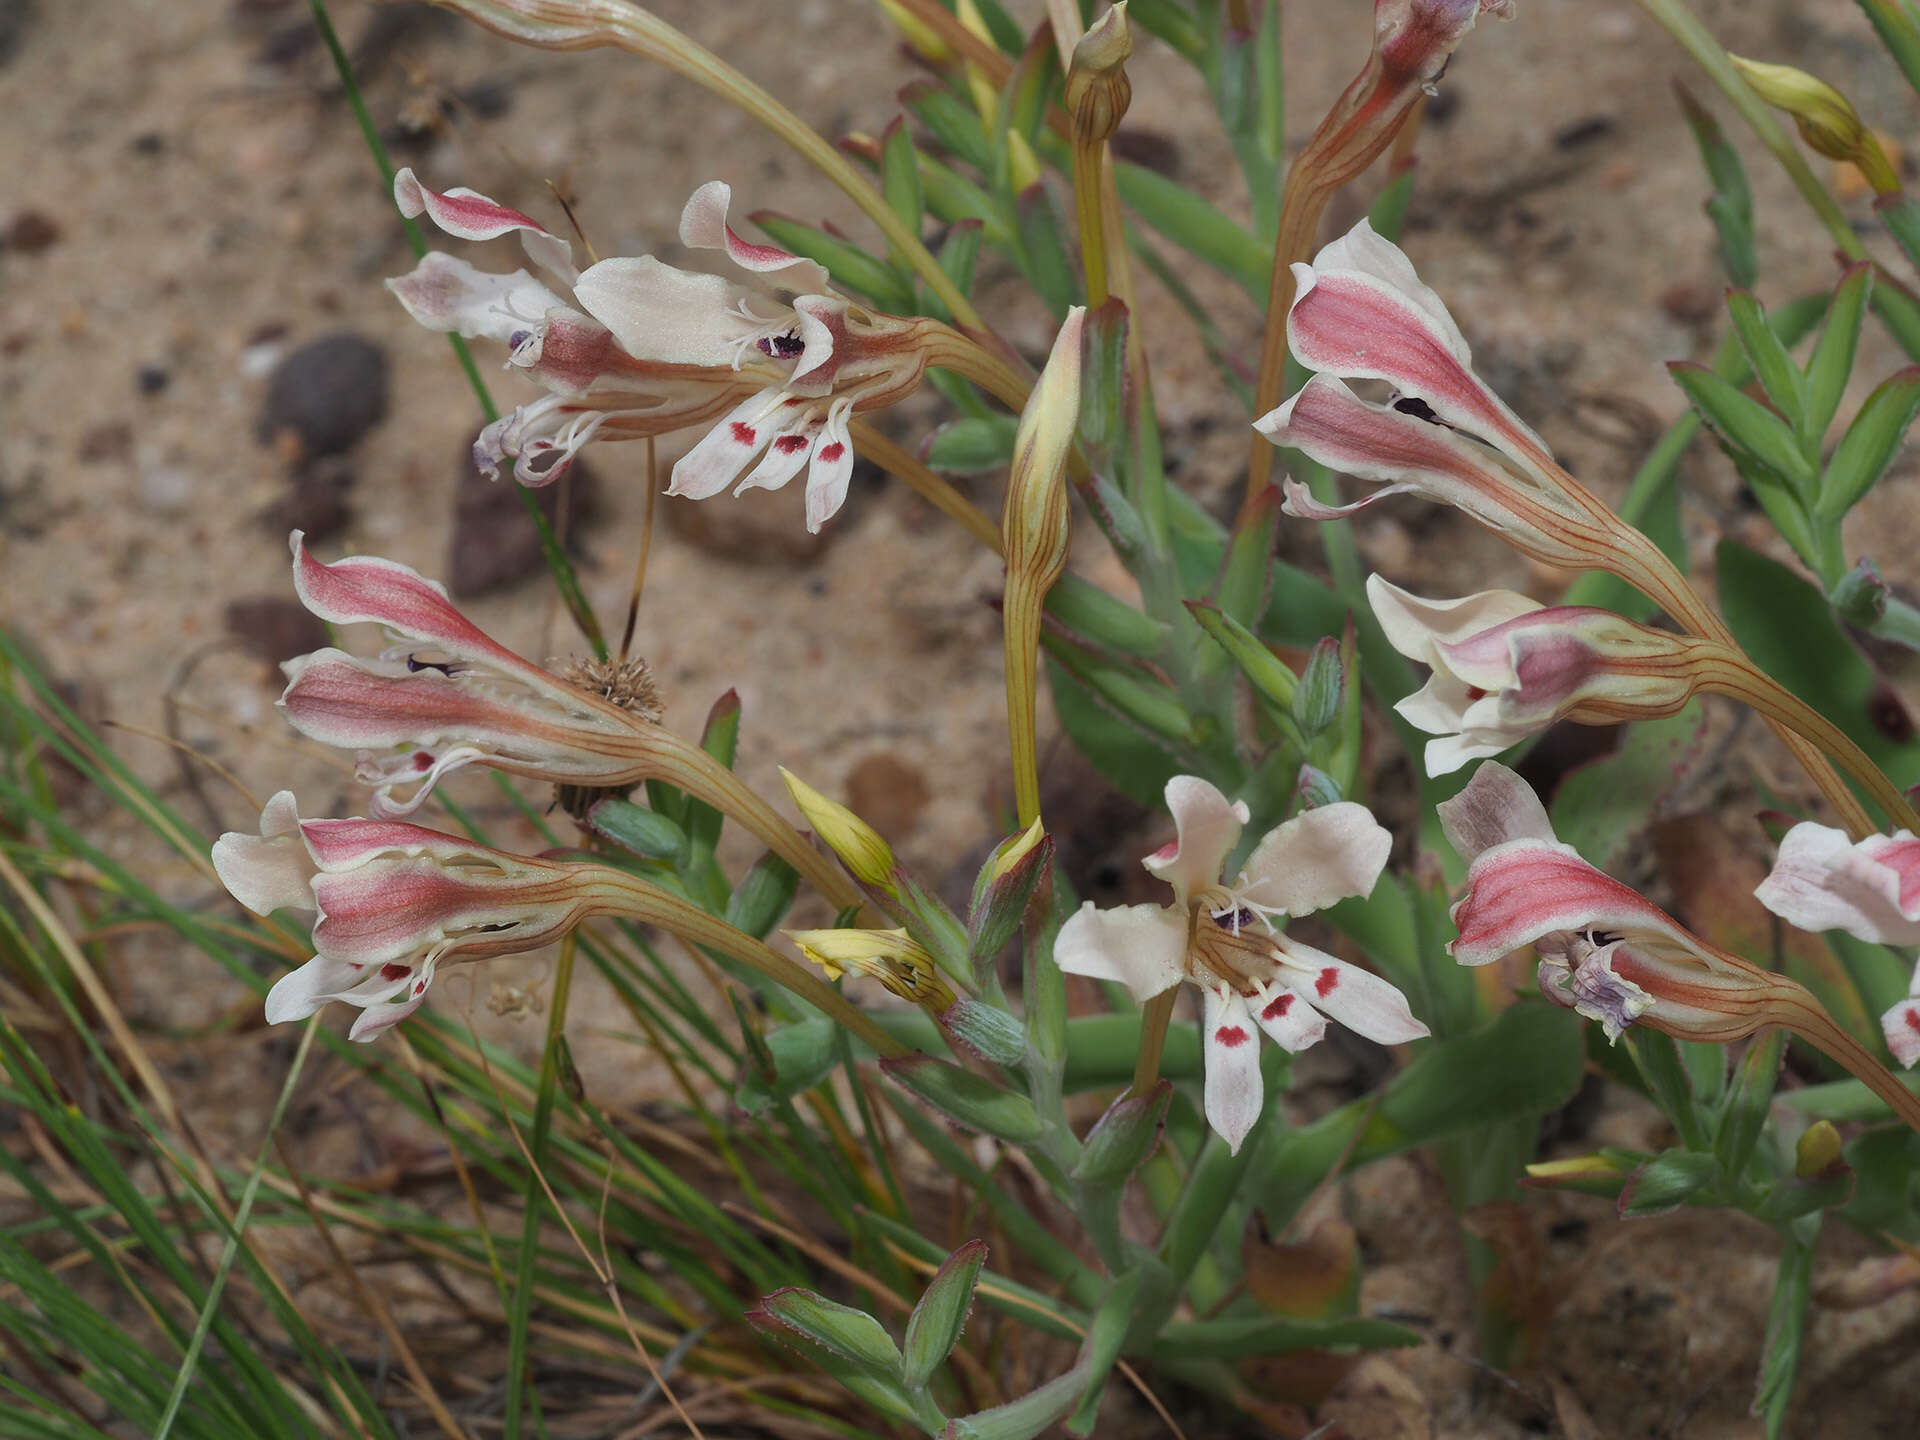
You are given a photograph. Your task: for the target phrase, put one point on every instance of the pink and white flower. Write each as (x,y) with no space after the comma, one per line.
(1506,667)
(1361,312)
(631,347)
(393,901)
(446,694)
(1870,889)
(1604,949)
(1220,935)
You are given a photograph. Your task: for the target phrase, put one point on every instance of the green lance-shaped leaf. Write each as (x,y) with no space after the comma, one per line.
(972,446)
(1123,1137)
(1731,205)
(1128,690)
(1746,424)
(954,123)
(935,1325)
(1868,447)
(1239,1337)
(1774,368)
(1242,591)
(647,833)
(1900,213)
(1831,363)
(1743,1109)
(1786,1325)
(853,1335)
(1274,683)
(801,1056)
(1042,251)
(1899,310)
(967,1099)
(1123,753)
(1024,1418)
(851,267)
(1667,1182)
(1203,231)
(1094,615)
(900,173)
(762,898)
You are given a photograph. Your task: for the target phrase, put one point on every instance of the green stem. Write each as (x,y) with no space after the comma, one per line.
(559,563)
(1900,623)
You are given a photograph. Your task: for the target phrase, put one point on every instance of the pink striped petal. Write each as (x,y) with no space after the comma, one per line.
(1143,947)
(1496,808)
(1523,890)
(445,294)
(703,226)
(340,846)
(1233,1095)
(1206,828)
(1316,859)
(472,216)
(1418,627)
(1358,999)
(367,589)
(1301,504)
(1823,881)
(385,912)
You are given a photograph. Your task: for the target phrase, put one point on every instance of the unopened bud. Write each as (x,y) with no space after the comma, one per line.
(1860,597)
(1035,521)
(857,843)
(1825,118)
(1817,1151)
(1098,91)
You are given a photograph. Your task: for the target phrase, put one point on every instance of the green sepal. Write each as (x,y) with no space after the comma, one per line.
(851,1334)
(1321,695)
(937,1320)
(647,833)
(1860,597)
(967,1099)
(987,1030)
(801,1056)
(1123,1137)
(1868,447)
(1000,901)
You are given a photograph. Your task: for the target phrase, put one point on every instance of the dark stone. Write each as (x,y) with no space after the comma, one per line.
(148,142)
(30,231)
(152,379)
(1583,132)
(274,627)
(494,542)
(322,397)
(16,18)
(111,441)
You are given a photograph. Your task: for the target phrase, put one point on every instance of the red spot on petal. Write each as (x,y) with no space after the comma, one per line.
(1277,1007)
(743,432)
(787,444)
(833,452)
(420,987)
(1324,986)
(1230,1036)
(423,760)
(793,400)
(1913,1019)
(1474,692)
(395,972)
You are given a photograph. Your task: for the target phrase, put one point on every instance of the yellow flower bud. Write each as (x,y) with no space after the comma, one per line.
(890,956)
(1817,1151)
(1098,91)
(1017,849)
(1825,118)
(857,843)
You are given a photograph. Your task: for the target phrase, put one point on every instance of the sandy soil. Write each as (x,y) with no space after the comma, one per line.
(207,205)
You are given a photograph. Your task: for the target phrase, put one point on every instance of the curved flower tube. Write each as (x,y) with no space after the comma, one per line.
(1221,936)
(448,695)
(1609,953)
(632,347)
(395,900)
(1870,889)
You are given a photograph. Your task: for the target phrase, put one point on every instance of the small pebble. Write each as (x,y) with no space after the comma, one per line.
(111,441)
(494,543)
(274,627)
(888,793)
(316,501)
(166,489)
(16,17)
(323,396)
(152,379)
(30,231)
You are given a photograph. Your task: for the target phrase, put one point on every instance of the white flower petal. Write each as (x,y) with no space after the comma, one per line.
(1144,947)
(660,313)
(1207,827)
(1317,858)
(1287,1015)
(1358,999)
(1233,1091)
(1822,881)
(272,870)
(1901,1026)
(716,462)
(1496,807)
(830,472)
(304,989)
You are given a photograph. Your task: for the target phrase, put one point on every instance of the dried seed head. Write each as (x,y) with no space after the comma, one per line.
(626,683)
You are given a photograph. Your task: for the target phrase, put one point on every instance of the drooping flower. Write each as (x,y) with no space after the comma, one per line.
(1221,936)
(394,900)
(1506,667)
(1604,949)
(447,695)
(632,347)
(1361,312)
(1871,890)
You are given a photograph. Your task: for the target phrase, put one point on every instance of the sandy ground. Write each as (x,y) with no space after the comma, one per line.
(195,202)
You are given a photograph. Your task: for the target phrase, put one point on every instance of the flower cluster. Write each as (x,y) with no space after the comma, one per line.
(632,347)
